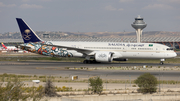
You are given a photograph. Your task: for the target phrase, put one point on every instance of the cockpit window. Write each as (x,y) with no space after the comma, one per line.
(169,49)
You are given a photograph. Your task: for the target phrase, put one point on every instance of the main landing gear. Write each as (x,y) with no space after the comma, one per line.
(162,61)
(89,61)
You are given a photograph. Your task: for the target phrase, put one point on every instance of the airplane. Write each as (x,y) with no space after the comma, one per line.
(13,48)
(3,45)
(93,52)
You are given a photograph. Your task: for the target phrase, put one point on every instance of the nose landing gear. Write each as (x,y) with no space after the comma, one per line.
(162,61)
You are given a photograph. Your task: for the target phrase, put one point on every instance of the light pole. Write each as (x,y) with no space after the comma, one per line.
(69,83)
(159,81)
(35,81)
(106,81)
(162,79)
(88,84)
(130,79)
(125,81)
(12,89)
(123,36)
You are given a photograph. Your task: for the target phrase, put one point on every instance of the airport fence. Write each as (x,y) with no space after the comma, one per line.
(69,89)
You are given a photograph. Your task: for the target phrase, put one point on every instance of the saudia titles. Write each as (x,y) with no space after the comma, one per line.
(129,45)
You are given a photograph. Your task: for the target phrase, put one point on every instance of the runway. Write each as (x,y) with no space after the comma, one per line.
(58,69)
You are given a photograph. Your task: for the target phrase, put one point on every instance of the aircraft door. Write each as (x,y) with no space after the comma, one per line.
(157,49)
(124,49)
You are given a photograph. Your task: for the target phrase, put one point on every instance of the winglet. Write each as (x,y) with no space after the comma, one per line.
(27,33)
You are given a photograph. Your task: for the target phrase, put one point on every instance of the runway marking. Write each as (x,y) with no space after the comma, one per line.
(14,63)
(50,68)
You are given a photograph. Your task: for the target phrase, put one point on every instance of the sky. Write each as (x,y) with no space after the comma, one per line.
(90,15)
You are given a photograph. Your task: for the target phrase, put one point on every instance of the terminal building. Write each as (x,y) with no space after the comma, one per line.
(138,25)
(169,41)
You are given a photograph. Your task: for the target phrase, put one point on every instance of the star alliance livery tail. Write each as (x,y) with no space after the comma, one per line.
(27,33)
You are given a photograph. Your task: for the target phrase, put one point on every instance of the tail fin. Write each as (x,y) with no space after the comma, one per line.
(27,33)
(4,46)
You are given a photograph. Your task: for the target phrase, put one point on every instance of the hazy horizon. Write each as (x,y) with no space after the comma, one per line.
(90,15)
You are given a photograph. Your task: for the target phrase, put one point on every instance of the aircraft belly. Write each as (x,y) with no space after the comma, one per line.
(148,55)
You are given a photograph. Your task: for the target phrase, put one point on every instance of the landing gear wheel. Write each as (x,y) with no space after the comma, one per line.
(85,61)
(161,62)
(94,61)
(88,61)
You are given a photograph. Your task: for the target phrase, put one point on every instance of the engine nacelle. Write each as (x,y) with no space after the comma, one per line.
(103,56)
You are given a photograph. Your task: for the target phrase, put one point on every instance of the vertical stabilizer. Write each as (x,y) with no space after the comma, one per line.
(27,33)
(4,46)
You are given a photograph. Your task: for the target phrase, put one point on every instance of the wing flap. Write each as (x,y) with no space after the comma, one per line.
(84,51)
(22,47)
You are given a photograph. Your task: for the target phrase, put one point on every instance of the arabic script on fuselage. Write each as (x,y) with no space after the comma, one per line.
(128,45)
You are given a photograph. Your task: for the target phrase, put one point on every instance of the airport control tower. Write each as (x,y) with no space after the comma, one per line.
(139,25)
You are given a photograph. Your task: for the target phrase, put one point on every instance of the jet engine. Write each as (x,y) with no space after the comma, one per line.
(103,56)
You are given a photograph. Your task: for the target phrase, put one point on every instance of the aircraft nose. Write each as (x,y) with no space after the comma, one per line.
(175,54)
(171,55)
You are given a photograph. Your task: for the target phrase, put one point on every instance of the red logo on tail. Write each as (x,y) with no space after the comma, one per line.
(4,46)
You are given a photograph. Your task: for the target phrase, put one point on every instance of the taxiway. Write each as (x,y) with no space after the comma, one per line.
(58,69)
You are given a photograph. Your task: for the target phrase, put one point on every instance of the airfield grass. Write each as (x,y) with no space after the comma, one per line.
(4,77)
(43,78)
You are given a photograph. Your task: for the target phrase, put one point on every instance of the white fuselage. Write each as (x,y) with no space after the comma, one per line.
(121,50)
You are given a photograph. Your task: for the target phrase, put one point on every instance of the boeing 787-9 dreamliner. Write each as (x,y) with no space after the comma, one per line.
(92,51)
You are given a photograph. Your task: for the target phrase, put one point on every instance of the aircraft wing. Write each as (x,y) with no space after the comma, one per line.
(22,46)
(84,51)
